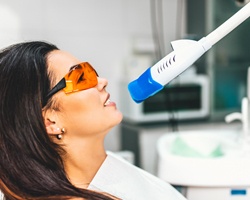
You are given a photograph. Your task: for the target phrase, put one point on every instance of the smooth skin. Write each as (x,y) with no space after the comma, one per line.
(86,116)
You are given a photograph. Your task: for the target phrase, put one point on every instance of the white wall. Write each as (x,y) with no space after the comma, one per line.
(96,31)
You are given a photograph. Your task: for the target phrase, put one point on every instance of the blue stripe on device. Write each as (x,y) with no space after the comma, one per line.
(143,87)
(235,192)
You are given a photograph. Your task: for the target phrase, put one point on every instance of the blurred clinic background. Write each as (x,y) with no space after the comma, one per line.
(121,39)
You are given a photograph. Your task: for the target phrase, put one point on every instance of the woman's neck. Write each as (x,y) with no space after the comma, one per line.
(83,159)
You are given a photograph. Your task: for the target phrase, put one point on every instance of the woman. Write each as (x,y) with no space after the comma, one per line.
(54,115)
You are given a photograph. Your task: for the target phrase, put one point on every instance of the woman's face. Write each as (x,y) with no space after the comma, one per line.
(83,113)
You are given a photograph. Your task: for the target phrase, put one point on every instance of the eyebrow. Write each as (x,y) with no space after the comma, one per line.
(72,67)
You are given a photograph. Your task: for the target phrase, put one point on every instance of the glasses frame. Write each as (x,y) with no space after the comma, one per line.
(62,83)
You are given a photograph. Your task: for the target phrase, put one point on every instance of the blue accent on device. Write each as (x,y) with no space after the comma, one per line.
(143,87)
(235,192)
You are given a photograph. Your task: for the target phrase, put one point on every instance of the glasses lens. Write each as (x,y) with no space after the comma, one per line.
(81,77)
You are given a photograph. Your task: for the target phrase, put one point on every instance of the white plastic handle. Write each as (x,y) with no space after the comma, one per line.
(229,25)
(233,116)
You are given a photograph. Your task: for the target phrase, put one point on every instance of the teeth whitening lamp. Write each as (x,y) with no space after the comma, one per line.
(184,54)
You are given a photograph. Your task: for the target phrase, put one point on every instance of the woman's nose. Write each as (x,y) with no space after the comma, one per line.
(102,83)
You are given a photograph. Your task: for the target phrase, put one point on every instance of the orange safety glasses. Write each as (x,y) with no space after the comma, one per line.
(80,77)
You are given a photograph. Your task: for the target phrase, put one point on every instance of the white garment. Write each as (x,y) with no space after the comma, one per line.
(128,182)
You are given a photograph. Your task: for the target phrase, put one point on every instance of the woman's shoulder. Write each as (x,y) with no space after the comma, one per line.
(120,178)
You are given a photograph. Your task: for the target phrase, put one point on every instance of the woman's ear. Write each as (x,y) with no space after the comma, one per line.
(50,123)
(51,127)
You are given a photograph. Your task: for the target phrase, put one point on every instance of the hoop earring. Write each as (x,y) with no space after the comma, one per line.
(59,136)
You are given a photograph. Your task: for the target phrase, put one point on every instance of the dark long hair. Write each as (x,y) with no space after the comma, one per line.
(30,163)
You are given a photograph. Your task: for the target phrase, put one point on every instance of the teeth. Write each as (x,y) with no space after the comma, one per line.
(107,102)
